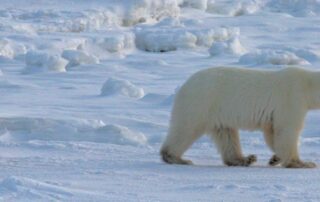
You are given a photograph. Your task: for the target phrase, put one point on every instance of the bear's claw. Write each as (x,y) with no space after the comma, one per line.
(251,159)
(274,160)
(245,161)
(171,159)
(301,164)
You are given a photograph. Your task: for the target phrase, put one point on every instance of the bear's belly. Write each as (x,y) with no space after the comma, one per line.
(239,122)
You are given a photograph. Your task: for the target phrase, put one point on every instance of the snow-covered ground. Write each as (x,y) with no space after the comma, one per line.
(87,87)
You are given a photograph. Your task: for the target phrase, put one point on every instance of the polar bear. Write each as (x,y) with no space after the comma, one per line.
(220,101)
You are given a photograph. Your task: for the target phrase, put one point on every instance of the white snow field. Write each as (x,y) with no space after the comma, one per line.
(87,87)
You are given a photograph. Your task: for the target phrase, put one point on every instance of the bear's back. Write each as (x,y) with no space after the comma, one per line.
(227,79)
(237,96)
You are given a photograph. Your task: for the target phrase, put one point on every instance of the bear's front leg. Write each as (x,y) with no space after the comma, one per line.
(228,145)
(286,141)
(179,139)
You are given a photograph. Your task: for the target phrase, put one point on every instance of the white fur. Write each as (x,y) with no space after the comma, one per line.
(220,101)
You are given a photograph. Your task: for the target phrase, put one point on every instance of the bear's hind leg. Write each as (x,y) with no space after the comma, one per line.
(286,148)
(268,137)
(228,145)
(176,143)
(171,159)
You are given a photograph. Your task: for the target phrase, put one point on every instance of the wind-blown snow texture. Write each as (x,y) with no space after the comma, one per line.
(87,88)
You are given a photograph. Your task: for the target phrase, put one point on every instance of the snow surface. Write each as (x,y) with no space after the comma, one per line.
(87,88)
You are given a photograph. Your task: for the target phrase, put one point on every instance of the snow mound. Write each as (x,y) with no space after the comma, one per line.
(232,46)
(160,99)
(121,135)
(144,10)
(162,41)
(169,100)
(7,26)
(10,49)
(24,129)
(229,8)
(272,57)
(31,189)
(72,21)
(89,18)
(197,4)
(234,8)
(114,42)
(153,97)
(7,85)
(171,34)
(40,61)
(58,45)
(27,128)
(307,54)
(78,57)
(114,86)
(207,37)
(298,8)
